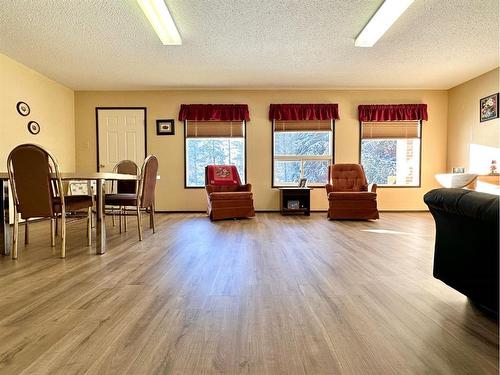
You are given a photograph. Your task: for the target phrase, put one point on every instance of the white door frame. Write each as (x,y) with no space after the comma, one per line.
(118,108)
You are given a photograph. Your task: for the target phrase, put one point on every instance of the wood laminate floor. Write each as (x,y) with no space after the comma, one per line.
(271,295)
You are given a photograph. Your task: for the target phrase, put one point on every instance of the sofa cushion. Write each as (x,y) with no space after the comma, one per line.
(122,199)
(73,202)
(230,195)
(345,195)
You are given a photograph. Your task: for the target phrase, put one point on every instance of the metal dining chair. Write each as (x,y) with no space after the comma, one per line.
(81,187)
(124,187)
(144,198)
(37,194)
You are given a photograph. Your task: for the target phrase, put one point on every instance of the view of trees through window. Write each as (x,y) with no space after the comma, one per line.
(304,154)
(391,161)
(201,152)
(307,154)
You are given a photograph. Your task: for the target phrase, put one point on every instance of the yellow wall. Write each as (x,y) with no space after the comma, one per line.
(171,194)
(66,116)
(464,127)
(52,106)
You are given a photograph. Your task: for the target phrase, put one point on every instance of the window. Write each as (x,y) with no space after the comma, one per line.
(390,152)
(213,142)
(302,149)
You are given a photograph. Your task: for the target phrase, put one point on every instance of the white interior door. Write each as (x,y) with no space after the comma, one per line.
(120,136)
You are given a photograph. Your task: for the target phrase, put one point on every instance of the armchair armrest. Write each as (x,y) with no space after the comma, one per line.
(329,188)
(210,189)
(372,188)
(247,187)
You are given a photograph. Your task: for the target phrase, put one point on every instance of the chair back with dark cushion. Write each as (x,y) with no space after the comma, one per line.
(29,168)
(222,175)
(147,184)
(126,167)
(347,177)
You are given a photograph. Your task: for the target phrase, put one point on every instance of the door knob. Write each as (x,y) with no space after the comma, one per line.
(101,165)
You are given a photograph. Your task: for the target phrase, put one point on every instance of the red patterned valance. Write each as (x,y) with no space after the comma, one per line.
(303,112)
(214,112)
(392,112)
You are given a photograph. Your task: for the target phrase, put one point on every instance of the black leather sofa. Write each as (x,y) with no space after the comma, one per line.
(467,238)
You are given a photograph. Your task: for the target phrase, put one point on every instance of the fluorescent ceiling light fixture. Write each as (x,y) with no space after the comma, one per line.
(158,15)
(380,22)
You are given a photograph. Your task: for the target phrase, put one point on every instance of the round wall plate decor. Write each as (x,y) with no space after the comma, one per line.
(33,127)
(23,108)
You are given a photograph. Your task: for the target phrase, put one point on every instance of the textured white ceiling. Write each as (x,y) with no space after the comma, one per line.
(109,44)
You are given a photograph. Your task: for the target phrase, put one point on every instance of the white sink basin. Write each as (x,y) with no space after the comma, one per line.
(455,180)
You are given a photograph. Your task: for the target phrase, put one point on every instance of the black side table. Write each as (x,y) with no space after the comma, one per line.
(295,200)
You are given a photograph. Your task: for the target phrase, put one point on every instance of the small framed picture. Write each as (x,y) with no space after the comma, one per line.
(302,182)
(458,170)
(488,108)
(165,127)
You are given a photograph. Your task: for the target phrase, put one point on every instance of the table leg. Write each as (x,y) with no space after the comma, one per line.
(5,235)
(100,227)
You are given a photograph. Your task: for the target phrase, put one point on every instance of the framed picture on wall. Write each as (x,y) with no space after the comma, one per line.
(488,108)
(165,127)
(458,170)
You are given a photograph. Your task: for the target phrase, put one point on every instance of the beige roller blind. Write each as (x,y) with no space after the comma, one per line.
(298,126)
(392,129)
(214,129)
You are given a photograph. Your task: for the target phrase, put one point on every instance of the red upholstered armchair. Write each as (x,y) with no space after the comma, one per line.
(227,197)
(349,195)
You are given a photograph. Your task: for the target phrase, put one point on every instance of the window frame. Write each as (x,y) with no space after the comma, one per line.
(185,153)
(419,160)
(305,158)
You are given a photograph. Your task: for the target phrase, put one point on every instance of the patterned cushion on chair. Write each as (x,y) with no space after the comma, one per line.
(223,175)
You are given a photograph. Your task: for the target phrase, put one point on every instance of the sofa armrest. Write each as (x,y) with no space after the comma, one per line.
(372,188)
(209,189)
(467,242)
(465,203)
(329,188)
(247,187)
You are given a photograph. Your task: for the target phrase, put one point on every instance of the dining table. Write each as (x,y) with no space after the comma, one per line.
(99,177)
